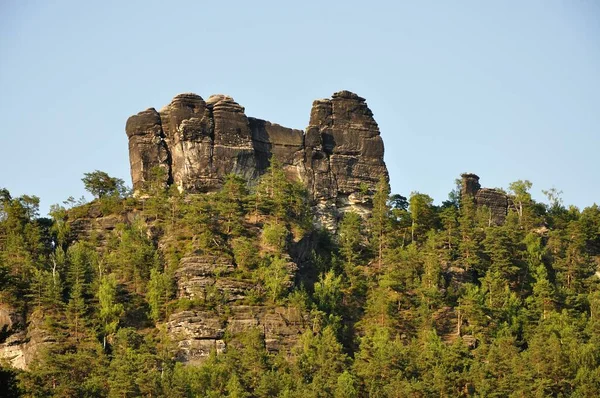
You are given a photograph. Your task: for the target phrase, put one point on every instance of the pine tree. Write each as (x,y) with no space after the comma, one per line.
(158,293)
(231,202)
(76,310)
(380,223)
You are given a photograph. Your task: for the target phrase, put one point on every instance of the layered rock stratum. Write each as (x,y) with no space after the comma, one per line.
(339,156)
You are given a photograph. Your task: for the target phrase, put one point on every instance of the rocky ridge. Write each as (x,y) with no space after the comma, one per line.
(339,157)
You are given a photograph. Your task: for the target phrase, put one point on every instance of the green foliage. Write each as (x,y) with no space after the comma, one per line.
(275,236)
(320,361)
(328,293)
(422,214)
(231,202)
(159,291)
(350,238)
(416,300)
(101,185)
(245,253)
(132,255)
(276,195)
(110,311)
(276,277)
(380,222)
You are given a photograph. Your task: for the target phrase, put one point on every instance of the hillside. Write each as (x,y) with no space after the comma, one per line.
(253,260)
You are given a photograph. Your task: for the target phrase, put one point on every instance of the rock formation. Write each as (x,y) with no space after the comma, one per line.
(495,201)
(198,332)
(21,340)
(197,143)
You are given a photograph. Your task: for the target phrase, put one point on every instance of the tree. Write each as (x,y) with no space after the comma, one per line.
(521,196)
(328,292)
(132,254)
(159,292)
(542,299)
(76,309)
(134,367)
(278,196)
(276,277)
(350,238)
(422,214)
(101,185)
(469,245)
(554,197)
(319,361)
(275,237)
(380,222)
(431,276)
(380,359)
(245,253)
(110,310)
(231,201)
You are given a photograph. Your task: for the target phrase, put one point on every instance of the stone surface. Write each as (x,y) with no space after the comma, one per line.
(21,339)
(147,147)
(339,157)
(496,203)
(492,200)
(199,331)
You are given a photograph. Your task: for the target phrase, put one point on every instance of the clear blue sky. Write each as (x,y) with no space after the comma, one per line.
(505,89)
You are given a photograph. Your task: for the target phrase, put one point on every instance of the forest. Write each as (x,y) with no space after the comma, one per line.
(416,300)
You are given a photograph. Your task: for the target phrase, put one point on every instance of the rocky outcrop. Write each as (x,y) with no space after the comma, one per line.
(21,339)
(208,278)
(199,332)
(147,147)
(197,143)
(344,155)
(222,309)
(493,200)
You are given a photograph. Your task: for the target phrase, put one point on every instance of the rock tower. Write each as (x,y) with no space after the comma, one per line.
(339,156)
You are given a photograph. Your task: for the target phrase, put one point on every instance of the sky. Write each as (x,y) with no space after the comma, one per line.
(509,90)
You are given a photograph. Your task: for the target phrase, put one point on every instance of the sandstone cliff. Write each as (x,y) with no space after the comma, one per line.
(493,200)
(339,157)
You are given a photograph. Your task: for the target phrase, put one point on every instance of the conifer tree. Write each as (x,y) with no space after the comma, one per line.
(421,213)
(231,201)
(110,311)
(380,222)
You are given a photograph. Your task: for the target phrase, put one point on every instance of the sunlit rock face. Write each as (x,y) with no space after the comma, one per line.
(344,156)
(21,340)
(339,157)
(211,279)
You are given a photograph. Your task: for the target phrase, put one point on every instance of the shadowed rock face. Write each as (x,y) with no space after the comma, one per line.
(339,157)
(147,146)
(495,201)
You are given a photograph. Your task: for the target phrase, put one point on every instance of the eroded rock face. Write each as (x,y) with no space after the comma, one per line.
(495,201)
(198,332)
(344,156)
(147,148)
(339,157)
(21,339)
